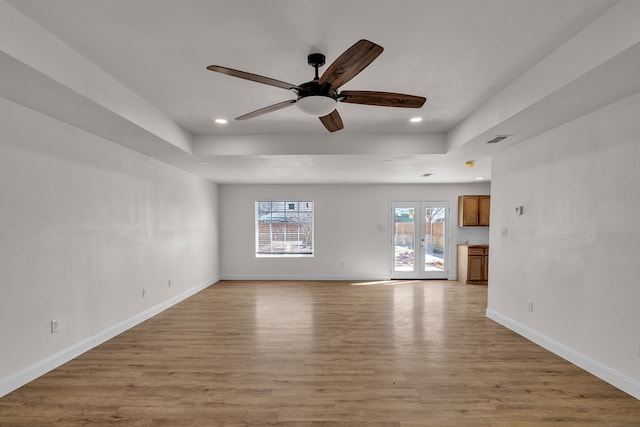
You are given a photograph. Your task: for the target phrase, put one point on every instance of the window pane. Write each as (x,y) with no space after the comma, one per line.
(284,227)
(434,226)
(404,225)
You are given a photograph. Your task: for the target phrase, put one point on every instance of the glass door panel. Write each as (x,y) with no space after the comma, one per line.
(434,240)
(404,240)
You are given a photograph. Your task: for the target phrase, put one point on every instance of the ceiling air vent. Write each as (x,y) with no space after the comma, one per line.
(498,139)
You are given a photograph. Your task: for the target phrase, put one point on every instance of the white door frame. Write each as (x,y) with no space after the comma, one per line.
(418,271)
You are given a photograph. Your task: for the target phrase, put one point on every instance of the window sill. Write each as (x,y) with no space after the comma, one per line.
(284,255)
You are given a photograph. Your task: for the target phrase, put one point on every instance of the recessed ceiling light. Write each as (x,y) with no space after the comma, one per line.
(221,121)
(427,174)
(415,119)
(479,178)
(470,163)
(386,161)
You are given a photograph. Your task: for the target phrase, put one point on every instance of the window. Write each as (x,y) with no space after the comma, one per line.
(284,228)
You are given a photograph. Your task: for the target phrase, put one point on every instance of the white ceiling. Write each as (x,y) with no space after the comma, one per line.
(457,53)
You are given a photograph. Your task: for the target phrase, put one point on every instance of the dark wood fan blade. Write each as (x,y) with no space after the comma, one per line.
(383,99)
(332,121)
(350,63)
(253,77)
(269,109)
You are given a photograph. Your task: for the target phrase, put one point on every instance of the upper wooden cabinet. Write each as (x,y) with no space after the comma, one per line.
(473,211)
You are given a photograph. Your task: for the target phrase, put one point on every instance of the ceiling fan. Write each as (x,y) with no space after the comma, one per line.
(320,96)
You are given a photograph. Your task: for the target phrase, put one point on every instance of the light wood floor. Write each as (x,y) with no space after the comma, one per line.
(398,353)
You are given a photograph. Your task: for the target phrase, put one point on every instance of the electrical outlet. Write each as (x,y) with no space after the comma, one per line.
(505,232)
(169,282)
(144,293)
(530,306)
(55,326)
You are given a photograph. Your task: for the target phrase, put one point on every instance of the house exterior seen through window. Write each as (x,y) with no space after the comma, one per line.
(284,228)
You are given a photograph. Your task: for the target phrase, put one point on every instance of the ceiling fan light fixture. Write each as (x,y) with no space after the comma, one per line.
(316,105)
(319,96)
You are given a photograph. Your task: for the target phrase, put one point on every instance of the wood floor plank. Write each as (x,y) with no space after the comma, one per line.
(392,354)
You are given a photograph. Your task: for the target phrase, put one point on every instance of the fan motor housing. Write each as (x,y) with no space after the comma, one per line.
(316,59)
(313,88)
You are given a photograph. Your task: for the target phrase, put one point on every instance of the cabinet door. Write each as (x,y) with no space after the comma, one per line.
(485,268)
(484,208)
(475,270)
(468,210)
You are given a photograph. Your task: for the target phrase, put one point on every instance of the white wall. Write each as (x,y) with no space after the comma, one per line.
(574,252)
(352,222)
(85,225)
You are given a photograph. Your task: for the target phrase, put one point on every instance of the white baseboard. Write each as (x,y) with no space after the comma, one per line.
(605,373)
(303,277)
(17,380)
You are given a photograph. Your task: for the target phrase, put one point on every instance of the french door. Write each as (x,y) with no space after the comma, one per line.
(420,240)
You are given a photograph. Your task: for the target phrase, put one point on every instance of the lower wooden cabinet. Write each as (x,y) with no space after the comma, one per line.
(473,264)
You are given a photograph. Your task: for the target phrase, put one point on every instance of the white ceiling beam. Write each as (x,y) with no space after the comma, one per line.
(589,71)
(34,58)
(318,144)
